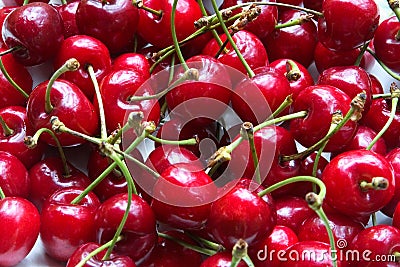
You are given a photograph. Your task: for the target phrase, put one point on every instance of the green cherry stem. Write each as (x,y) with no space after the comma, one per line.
(373,219)
(59,127)
(247,132)
(213,32)
(95,252)
(92,75)
(187,142)
(211,245)
(201,250)
(139,4)
(384,67)
(11,81)
(2,195)
(361,54)
(395,92)
(231,41)
(377,96)
(239,252)
(10,50)
(7,131)
(31,142)
(287,102)
(175,38)
(70,65)
(395,6)
(294,22)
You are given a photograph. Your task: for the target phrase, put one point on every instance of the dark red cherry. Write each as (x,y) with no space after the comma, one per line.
(313,4)
(134,61)
(396,217)
(394,159)
(112,22)
(14,179)
(336,30)
(37,28)
(68,13)
(4,11)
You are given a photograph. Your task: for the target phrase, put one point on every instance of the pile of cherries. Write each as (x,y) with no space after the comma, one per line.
(191,121)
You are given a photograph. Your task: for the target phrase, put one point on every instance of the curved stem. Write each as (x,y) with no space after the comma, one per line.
(175,38)
(239,252)
(384,67)
(296,115)
(6,129)
(212,245)
(11,81)
(70,65)
(213,32)
(59,126)
(103,129)
(187,142)
(321,214)
(201,250)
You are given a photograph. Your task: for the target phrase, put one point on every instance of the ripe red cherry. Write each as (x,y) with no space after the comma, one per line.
(240,214)
(65,226)
(376,86)
(112,22)
(321,101)
(139,231)
(97,261)
(67,12)
(22,221)
(88,51)
(16,119)
(248,44)
(4,11)
(221,259)
(14,179)
(336,30)
(37,28)
(396,217)
(9,95)
(393,158)
(386,43)
(136,62)
(70,105)
(344,175)
(295,42)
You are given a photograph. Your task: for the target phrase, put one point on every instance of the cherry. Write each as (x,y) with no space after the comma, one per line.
(396,217)
(313,4)
(221,259)
(295,42)
(139,231)
(376,86)
(336,30)
(249,45)
(240,214)
(375,245)
(97,261)
(68,14)
(14,179)
(12,137)
(4,11)
(347,176)
(71,107)
(88,51)
(112,22)
(321,101)
(37,29)
(393,157)
(386,42)
(136,62)
(21,221)
(182,197)
(65,226)
(48,176)
(9,95)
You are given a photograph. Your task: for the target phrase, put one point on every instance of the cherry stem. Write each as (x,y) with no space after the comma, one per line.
(361,54)
(395,92)
(373,219)
(395,6)
(213,31)
(292,71)
(384,67)
(175,37)
(6,129)
(287,102)
(307,10)
(11,81)
(377,183)
(25,2)
(239,252)
(188,142)
(212,245)
(2,195)
(231,41)
(295,22)
(103,129)
(71,64)
(96,251)
(247,132)
(397,256)
(201,250)
(139,4)
(31,142)
(386,95)
(59,127)
(64,2)
(10,50)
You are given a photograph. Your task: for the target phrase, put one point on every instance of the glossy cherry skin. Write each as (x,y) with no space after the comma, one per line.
(264,254)
(221,259)
(376,86)
(376,118)
(87,50)
(65,226)
(313,4)
(255,99)
(47,176)
(157,31)
(325,58)
(336,31)
(297,84)
(14,179)
(386,43)
(96,261)
(182,197)
(394,159)
(343,175)
(378,241)
(135,61)
(265,22)
(321,101)
(139,230)
(240,214)
(116,88)
(16,119)
(68,14)
(298,255)
(112,22)
(22,221)
(70,105)
(4,11)
(350,79)
(295,42)
(8,94)
(248,44)
(396,217)
(40,38)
